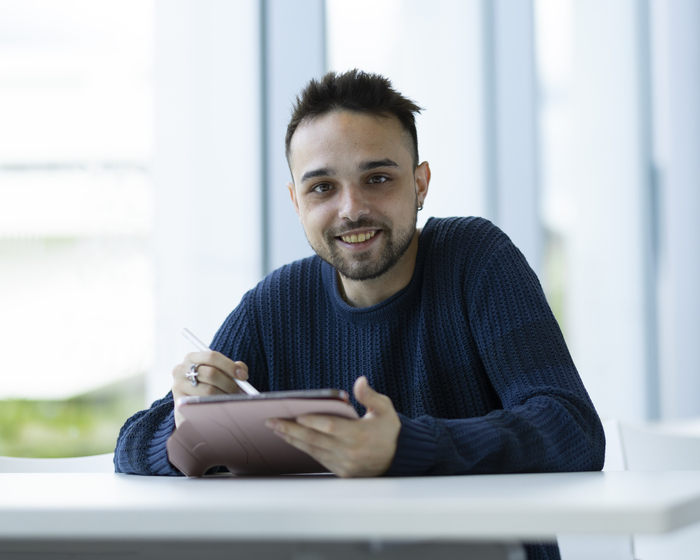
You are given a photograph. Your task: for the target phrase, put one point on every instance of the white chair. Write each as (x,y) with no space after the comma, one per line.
(92,463)
(664,447)
(602,547)
(660,447)
(686,426)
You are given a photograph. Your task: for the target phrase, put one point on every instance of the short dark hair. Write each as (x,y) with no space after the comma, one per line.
(358,91)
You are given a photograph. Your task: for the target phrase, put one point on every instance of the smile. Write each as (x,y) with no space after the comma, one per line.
(358,238)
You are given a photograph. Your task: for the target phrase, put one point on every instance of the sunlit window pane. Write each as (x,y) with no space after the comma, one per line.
(76,278)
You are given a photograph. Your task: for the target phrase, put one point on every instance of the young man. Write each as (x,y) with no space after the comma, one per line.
(443,335)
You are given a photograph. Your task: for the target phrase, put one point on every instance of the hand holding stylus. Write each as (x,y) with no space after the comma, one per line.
(206,372)
(242,383)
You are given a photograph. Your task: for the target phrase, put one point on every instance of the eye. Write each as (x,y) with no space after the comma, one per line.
(378,179)
(321,188)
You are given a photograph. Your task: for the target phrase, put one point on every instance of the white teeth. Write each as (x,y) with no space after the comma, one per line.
(358,238)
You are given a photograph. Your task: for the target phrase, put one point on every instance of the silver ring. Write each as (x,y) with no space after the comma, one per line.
(192,374)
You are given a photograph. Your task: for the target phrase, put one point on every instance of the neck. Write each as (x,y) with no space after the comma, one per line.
(365,293)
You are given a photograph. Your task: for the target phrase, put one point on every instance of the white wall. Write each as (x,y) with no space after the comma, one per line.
(610,178)
(207,170)
(676,95)
(295,52)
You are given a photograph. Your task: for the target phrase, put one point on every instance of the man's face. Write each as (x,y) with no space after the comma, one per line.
(356,191)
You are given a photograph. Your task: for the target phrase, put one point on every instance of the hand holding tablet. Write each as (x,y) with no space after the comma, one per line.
(230,431)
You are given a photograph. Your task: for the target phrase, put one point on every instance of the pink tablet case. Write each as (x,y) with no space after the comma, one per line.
(232,433)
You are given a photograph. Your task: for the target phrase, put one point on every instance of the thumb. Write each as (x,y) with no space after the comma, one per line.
(368,397)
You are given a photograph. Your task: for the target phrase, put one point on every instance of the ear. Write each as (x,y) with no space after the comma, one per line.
(293,195)
(422,175)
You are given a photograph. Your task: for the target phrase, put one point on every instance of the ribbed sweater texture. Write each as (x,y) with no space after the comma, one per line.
(469,353)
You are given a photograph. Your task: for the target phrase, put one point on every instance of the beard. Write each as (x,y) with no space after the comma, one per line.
(367,266)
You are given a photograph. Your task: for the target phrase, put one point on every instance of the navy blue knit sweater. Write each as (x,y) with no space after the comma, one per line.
(469,353)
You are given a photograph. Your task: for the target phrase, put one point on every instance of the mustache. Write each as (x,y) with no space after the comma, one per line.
(362,223)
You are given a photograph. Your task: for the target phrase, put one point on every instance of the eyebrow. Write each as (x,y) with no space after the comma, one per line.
(320,172)
(364,166)
(369,165)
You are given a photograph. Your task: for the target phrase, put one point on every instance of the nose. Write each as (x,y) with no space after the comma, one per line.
(353,203)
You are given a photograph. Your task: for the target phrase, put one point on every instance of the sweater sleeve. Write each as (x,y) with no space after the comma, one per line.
(546,421)
(141,444)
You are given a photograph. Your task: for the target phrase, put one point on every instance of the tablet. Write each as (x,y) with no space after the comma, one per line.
(229,431)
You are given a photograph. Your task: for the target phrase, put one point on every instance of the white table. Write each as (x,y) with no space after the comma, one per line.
(84,510)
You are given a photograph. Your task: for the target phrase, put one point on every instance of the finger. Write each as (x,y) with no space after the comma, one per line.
(216,359)
(323,456)
(327,424)
(210,379)
(208,375)
(369,398)
(293,430)
(341,458)
(241,371)
(308,442)
(183,388)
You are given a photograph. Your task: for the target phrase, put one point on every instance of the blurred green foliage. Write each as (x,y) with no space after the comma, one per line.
(84,425)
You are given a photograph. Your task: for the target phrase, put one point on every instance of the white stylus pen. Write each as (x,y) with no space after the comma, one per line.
(244,385)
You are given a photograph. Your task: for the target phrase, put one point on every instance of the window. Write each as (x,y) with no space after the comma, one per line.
(75,196)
